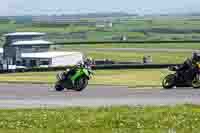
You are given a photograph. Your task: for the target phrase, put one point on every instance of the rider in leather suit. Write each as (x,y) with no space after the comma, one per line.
(189,63)
(87,63)
(187,68)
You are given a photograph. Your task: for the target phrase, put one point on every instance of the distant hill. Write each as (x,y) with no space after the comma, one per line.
(98,15)
(25,19)
(89,16)
(16,19)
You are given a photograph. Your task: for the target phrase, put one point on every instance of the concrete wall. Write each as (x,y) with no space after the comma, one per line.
(72,59)
(67,60)
(38,62)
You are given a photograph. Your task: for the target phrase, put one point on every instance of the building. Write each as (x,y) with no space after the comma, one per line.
(1,56)
(104,24)
(16,43)
(33,46)
(51,59)
(29,50)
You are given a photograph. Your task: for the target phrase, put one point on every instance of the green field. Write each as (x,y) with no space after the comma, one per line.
(195,46)
(55,29)
(157,57)
(142,29)
(179,119)
(131,78)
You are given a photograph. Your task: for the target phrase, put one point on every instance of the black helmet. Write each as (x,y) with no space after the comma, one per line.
(195,56)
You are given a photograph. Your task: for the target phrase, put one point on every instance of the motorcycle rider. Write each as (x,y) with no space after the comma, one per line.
(190,62)
(86,63)
(188,65)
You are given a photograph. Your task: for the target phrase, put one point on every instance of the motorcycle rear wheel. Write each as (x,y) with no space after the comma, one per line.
(169,81)
(59,87)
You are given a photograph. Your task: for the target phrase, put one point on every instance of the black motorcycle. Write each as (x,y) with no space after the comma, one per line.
(187,78)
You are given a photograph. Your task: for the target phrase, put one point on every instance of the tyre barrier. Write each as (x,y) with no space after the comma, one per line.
(132,66)
(95,67)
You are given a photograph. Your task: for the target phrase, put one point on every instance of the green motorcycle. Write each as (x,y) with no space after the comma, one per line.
(75,78)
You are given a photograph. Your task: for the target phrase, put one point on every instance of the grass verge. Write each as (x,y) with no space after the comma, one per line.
(179,119)
(157,57)
(139,45)
(131,78)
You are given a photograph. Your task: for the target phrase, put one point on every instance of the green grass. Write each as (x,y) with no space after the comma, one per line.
(140,45)
(157,57)
(131,78)
(180,119)
(120,55)
(50,29)
(118,29)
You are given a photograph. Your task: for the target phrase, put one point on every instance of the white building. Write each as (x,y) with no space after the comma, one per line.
(29,50)
(51,59)
(104,25)
(1,56)
(36,53)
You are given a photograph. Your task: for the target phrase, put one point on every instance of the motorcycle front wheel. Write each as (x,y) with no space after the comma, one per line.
(81,83)
(169,81)
(196,82)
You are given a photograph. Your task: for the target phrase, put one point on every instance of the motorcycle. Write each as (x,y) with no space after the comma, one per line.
(190,78)
(75,78)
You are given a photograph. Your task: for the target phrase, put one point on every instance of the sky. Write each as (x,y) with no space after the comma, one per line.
(38,7)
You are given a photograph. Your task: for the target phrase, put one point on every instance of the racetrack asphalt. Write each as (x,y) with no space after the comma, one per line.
(35,96)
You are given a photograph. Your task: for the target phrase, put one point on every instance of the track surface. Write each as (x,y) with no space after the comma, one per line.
(31,96)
